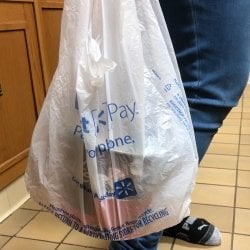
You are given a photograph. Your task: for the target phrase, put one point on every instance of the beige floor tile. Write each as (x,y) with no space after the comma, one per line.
(237,109)
(246,91)
(219,161)
(245,124)
(246,102)
(165,243)
(231,122)
(16,222)
(246,97)
(233,115)
(72,247)
(45,226)
(27,244)
(226,138)
(245,139)
(83,240)
(244,163)
(244,150)
(213,195)
(229,129)
(3,240)
(30,204)
(216,176)
(223,149)
(242,225)
(225,245)
(245,115)
(244,178)
(221,217)
(245,109)
(243,198)
(241,242)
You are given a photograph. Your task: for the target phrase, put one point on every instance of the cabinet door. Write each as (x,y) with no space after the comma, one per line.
(49,15)
(22,90)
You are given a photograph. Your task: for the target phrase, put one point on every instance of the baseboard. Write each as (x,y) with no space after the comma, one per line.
(12,197)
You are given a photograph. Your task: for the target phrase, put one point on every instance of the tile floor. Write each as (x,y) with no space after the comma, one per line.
(222,195)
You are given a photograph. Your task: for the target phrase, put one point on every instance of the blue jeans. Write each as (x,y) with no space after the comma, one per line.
(211,39)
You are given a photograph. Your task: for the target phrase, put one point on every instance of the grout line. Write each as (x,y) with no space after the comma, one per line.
(243,234)
(243,187)
(25,238)
(69,244)
(242,208)
(217,185)
(244,170)
(31,209)
(7,241)
(216,168)
(222,154)
(226,154)
(35,215)
(23,226)
(212,143)
(61,242)
(213,205)
(206,167)
(236,180)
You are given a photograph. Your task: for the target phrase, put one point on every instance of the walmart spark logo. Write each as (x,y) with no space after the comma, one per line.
(124,188)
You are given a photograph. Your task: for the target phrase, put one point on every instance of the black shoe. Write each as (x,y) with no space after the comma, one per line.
(196,231)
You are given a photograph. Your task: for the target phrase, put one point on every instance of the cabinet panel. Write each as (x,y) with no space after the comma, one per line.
(22,87)
(11,13)
(29,49)
(49,13)
(17,104)
(52,27)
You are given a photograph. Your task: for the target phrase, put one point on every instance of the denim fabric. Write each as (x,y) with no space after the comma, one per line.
(212,44)
(142,243)
(211,39)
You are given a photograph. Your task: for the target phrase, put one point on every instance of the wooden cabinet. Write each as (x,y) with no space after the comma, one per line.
(49,15)
(29,40)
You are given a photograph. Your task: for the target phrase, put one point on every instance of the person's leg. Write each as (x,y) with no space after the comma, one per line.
(148,242)
(212,44)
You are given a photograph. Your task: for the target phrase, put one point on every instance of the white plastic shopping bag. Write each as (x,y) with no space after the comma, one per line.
(113,152)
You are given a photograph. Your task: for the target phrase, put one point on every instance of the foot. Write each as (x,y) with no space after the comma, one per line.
(196,231)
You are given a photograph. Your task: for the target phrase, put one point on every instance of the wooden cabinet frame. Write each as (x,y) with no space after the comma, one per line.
(32,24)
(42,6)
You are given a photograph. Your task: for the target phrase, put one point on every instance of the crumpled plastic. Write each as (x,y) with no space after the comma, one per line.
(113,153)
